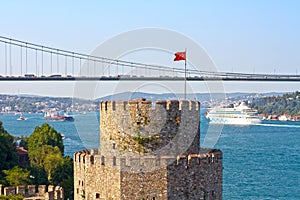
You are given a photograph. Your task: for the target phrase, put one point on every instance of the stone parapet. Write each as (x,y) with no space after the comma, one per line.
(21,190)
(9,191)
(144,104)
(85,159)
(30,193)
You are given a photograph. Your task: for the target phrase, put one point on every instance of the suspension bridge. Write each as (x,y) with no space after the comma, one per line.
(25,61)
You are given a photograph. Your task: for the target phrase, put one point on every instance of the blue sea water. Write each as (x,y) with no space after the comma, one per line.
(260,161)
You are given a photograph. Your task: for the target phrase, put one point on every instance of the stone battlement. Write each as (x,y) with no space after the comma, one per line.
(161,104)
(86,158)
(47,193)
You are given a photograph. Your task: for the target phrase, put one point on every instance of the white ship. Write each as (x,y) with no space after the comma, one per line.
(237,115)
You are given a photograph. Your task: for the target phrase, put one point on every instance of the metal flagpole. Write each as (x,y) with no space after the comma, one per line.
(185,76)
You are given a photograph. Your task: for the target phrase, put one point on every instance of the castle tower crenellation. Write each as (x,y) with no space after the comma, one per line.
(148,151)
(86,160)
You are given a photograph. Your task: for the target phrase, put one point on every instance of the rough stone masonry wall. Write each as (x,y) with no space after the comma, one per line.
(44,193)
(95,178)
(170,128)
(198,177)
(194,176)
(130,163)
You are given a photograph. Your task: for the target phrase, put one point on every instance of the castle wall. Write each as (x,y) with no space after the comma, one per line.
(95,176)
(199,177)
(144,185)
(194,176)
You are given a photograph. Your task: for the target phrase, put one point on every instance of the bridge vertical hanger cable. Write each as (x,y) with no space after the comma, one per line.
(79,66)
(103,68)
(94,68)
(66,64)
(42,61)
(109,69)
(21,60)
(51,63)
(57,67)
(10,65)
(5,59)
(73,65)
(26,60)
(117,67)
(36,62)
(88,66)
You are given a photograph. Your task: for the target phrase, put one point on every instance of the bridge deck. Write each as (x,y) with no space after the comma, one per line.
(163,78)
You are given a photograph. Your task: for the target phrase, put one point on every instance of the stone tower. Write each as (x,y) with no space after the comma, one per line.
(148,152)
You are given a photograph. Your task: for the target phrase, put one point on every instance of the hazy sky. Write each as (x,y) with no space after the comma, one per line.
(239,36)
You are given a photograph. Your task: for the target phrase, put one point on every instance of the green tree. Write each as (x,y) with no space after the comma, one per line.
(63,175)
(17,176)
(45,151)
(38,176)
(51,158)
(288,103)
(44,135)
(8,153)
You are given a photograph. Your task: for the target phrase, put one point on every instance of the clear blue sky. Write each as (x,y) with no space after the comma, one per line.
(240,36)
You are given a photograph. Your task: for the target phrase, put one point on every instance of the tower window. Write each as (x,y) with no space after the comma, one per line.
(97,195)
(114,161)
(102,160)
(92,159)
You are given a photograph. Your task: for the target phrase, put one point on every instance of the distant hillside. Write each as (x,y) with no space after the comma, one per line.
(155,97)
(288,103)
(32,103)
(206,99)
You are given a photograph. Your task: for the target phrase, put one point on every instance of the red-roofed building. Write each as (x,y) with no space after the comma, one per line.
(23,156)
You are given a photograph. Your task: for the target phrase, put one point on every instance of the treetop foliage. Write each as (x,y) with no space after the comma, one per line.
(286,104)
(45,135)
(8,153)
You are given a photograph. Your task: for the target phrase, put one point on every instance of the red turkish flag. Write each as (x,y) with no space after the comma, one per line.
(180,56)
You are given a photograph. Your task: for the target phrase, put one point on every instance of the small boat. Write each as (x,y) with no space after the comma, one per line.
(68,117)
(21,118)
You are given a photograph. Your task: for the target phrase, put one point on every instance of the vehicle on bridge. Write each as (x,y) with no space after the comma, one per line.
(29,75)
(55,76)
